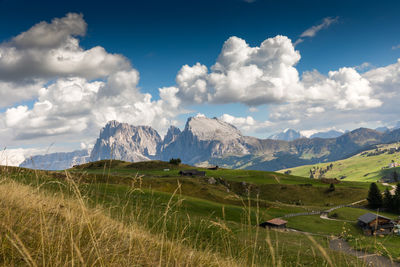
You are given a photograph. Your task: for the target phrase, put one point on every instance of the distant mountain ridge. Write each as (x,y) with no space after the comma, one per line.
(206,141)
(327,134)
(57,161)
(287,135)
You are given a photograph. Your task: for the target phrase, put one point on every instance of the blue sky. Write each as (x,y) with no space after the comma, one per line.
(159,37)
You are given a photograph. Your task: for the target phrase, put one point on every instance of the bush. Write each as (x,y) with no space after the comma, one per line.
(176,161)
(331,188)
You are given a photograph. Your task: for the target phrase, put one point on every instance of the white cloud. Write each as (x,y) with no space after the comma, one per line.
(364,66)
(76,106)
(51,50)
(47,66)
(246,124)
(311,32)
(308,133)
(76,91)
(267,75)
(15,156)
(250,75)
(395,47)
(344,88)
(14,92)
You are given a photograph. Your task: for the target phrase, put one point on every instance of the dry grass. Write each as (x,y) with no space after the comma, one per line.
(39,229)
(46,227)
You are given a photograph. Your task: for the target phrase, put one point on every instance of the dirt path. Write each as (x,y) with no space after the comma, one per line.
(393,191)
(325,217)
(370,259)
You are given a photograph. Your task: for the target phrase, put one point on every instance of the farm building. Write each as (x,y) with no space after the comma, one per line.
(213,168)
(374,224)
(192,173)
(274,223)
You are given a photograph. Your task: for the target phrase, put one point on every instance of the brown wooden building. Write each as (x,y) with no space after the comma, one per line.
(192,173)
(374,224)
(274,223)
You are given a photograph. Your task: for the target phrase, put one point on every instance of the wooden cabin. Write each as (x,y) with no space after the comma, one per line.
(274,223)
(374,224)
(192,173)
(213,168)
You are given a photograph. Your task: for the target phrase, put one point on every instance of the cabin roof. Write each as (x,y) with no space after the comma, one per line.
(369,217)
(277,221)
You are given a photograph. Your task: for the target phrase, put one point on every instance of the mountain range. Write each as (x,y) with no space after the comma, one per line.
(291,135)
(210,141)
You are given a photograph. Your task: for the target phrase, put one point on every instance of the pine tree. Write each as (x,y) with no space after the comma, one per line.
(395,176)
(396,199)
(374,197)
(387,200)
(331,188)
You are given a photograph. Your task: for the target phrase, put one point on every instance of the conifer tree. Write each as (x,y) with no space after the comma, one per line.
(387,200)
(396,199)
(395,176)
(374,197)
(331,188)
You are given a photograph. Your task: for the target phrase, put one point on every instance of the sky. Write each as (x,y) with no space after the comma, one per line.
(264,66)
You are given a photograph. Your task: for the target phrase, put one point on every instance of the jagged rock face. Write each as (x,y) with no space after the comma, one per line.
(57,161)
(203,138)
(126,142)
(170,137)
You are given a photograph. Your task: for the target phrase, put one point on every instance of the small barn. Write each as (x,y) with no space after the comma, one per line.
(213,168)
(374,224)
(192,173)
(274,223)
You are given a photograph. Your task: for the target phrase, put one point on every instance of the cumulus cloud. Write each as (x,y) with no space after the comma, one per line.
(49,50)
(14,92)
(246,124)
(74,91)
(344,88)
(75,105)
(267,75)
(249,75)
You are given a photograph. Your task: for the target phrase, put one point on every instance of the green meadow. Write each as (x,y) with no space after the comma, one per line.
(363,167)
(119,213)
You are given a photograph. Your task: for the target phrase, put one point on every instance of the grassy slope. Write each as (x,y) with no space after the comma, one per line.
(219,229)
(345,225)
(356,168)
(290,189)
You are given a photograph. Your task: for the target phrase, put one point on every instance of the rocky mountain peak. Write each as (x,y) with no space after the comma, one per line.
(212,129)
(123,141)
(171,135)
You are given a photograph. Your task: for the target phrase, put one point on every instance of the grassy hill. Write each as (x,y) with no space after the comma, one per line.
(366,166)
(123,214)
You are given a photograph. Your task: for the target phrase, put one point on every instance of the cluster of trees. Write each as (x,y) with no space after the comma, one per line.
(176,161)
(388,201)
(381,151)
(320,172)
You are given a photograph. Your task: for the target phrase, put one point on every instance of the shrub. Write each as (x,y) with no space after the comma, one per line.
(176,161)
